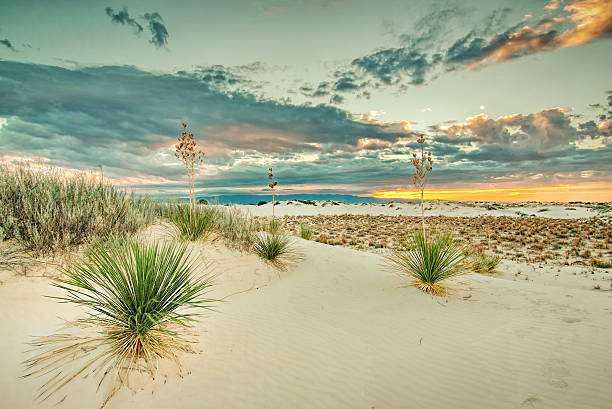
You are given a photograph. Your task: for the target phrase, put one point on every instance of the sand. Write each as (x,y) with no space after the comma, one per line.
(338,331)
(432,208)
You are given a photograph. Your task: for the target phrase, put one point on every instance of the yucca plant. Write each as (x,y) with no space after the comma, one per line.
(305,232)
(141,300)
(275,248)
(428,261)
(194,223)
(483,263)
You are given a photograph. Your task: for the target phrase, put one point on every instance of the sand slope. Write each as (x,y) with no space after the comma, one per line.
(339,332)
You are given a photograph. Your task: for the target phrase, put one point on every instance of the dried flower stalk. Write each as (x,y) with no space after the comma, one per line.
(272,185)
(190,154)
(422,166)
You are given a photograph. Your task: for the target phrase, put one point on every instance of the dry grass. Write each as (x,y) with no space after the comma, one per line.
(524,239)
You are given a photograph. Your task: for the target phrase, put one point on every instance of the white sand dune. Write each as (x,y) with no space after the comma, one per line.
(432,208)
(338,332)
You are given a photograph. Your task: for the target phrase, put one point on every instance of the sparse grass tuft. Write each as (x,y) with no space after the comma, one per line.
(194,223)
(236,229)
(428,261)
(306,232)
(275,248)
(140,299)
(483,263)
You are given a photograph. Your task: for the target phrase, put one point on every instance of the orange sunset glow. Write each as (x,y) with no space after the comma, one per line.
(587,193)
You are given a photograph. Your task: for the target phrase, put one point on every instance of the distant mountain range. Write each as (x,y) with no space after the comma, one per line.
(254,199)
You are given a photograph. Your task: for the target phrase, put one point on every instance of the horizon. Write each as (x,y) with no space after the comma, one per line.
(514,98)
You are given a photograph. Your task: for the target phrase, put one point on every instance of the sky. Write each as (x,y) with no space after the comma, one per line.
(514,98)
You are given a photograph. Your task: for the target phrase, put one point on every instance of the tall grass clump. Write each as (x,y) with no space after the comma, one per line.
(140,301)
(47,211)
(236,229)
(427,261)
(482,263)
(276,248)
(305,232)
(194,223)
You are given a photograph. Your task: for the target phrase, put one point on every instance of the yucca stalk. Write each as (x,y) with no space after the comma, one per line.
(422,166)
(141,300)
(191,156)
(428,261)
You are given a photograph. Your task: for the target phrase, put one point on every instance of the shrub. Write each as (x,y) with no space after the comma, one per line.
(275,248)
(194,223)
(306,232)
(483,263)
(140,300)
(428,261)
(47,211)
(261,203)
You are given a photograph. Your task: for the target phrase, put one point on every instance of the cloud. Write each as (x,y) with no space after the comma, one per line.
(127,119)
(8,44)
(157,28)
(123,17)
(425,54)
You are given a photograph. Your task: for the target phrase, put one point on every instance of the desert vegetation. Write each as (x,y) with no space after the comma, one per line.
(141,298)
(428,260)
(534,240)
(48,212)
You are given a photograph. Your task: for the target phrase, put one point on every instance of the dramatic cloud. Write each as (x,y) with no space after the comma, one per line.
(7,44)
(127,120)
(157,28)
(123,17)
(425,54)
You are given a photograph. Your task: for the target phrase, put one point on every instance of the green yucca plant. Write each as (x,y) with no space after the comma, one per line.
(140,299)
(194,223)
(305,232)
(275,248)
(49,211)
(480,262)
(428,261)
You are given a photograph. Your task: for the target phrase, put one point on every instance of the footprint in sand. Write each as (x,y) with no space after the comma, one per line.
(555,371)
(531,403)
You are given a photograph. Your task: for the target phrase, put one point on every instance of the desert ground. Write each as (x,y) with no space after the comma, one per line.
(338,330)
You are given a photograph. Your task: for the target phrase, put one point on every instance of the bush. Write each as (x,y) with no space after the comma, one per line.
(483,263)
(139,299)
(306,232)
(428,261)
(194,223)
(261,203)
(47,211)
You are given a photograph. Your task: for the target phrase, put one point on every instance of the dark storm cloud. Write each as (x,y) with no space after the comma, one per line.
(157,28)
(123,17)
(6,42)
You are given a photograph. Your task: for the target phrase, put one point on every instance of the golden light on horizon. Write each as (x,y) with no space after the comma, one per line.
(601,192)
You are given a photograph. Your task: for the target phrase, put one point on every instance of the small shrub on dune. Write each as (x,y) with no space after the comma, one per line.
(483,263)
(141,300)
(428,260)
(194,223)
(275,248)
(306,232)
